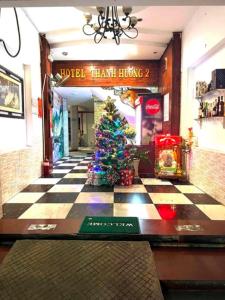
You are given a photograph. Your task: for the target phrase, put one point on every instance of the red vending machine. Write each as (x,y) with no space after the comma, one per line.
(168,156)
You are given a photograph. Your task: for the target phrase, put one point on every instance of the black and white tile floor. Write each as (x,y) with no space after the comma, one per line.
(65,195)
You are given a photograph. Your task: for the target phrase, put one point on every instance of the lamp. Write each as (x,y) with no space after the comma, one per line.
(57,80)
(109,22)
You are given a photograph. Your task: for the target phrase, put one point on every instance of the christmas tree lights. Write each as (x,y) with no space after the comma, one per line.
(112,160)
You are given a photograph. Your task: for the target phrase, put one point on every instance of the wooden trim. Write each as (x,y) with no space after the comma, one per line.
(176,83)
(46,70)
(170,82)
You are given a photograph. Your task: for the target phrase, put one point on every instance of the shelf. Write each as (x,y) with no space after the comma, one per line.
(207,118)
(214,93)
(218,118)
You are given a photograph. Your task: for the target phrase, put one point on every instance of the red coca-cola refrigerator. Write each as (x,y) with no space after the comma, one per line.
(152,117)
(150,125)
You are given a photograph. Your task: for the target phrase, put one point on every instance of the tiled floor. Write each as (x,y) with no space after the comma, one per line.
(64,194)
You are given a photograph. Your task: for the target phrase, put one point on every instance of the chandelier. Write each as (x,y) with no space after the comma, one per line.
(109,22)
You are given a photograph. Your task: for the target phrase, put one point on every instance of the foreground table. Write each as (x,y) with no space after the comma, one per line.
(73,269)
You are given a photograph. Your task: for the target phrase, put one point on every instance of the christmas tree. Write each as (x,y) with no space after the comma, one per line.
(111,155)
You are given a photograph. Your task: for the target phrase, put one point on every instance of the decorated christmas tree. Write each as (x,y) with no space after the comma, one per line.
(112,160)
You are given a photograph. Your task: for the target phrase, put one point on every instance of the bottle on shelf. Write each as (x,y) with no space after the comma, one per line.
(214,113)
(218,106)
(200,110)
(206,110)
(203,110)
(221,112)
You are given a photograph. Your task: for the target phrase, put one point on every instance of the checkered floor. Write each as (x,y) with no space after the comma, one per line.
(65,195)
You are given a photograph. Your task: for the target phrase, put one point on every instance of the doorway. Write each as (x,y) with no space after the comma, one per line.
(84,107)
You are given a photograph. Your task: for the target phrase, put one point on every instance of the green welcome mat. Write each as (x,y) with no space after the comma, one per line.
(113,225)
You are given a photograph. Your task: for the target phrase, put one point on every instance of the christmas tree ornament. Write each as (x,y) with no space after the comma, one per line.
(111,156)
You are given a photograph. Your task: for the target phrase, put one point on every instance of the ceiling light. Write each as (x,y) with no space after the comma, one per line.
(88,18)
(110,23)
(101,10)
(127,10)
(58,76)
(57,80)
(50,57)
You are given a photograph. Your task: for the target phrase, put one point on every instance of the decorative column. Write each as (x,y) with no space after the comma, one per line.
(65,128)
(74,127)
(46,70)
(170,82)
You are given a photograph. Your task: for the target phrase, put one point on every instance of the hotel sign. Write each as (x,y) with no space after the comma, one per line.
(108,73)
(94,73)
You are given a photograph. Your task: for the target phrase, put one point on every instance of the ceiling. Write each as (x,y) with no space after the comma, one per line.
(48,3)
(63,29)
(81,96)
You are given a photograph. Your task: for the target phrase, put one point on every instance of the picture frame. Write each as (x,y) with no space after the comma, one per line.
(11,94)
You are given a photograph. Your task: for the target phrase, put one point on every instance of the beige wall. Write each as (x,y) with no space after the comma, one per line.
(18,169)
(207,172)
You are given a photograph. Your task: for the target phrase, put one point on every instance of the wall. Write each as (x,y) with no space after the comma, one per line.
(203,51)
(88,139)
(166,80)
(15,135)
(207,172)
(169,82)
(20,148)
(205,131)
(90,129)
(57,127)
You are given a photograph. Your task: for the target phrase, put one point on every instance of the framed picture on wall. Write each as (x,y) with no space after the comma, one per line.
(11,94)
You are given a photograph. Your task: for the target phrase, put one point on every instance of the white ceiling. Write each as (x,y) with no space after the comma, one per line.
(81,96)
(63,29)
(48,3)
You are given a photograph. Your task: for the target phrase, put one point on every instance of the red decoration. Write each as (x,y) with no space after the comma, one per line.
(46,167)
(126,153)
(152,106)
(168,156)
(166,211)
(126,177)
(167,140)
(40,112)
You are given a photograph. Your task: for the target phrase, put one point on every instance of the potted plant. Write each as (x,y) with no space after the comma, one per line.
(137,154)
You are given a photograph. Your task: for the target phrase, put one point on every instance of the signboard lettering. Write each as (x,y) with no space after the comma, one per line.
(110,224)
(106,72)
(152,106)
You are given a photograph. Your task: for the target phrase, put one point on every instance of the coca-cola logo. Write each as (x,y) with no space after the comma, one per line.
(152,106)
